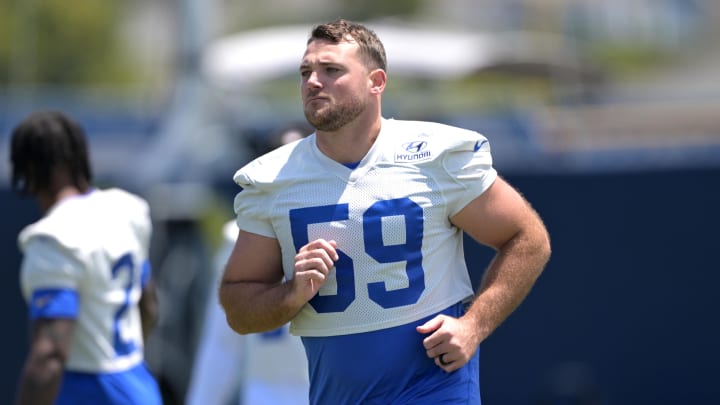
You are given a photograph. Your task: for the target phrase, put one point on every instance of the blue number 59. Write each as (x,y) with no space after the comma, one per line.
(409,252)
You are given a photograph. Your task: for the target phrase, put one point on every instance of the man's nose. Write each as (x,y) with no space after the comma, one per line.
(313,80)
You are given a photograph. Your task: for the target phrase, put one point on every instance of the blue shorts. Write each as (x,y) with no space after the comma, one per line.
(388,366)
(135,386)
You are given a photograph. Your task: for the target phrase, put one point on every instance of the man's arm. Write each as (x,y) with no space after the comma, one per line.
(42,372)
(252,291)
(148,308)
(502,219)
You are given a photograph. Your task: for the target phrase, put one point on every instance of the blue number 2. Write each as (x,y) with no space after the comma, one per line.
(121,346)
(410,252)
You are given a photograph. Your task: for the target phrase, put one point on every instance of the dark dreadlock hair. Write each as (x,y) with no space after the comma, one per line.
(43,142)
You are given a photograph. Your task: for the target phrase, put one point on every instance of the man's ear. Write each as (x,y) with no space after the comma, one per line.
(378,79)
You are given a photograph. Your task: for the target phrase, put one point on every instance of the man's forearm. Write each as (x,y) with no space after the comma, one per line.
(256,307)
(508,280)
(39,384)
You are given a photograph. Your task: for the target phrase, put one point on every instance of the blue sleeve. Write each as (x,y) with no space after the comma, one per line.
(54,303)
(146,273)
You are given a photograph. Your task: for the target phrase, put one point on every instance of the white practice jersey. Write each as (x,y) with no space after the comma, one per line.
(401,259)
(94,247)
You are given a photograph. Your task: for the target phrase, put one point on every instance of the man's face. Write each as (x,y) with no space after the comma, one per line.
(334,84)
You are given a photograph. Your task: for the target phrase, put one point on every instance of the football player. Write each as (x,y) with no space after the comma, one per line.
(355,235)
(258,368)
(85,274)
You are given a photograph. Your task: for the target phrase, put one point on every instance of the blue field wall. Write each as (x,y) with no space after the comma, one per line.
(627,309)
(16,214)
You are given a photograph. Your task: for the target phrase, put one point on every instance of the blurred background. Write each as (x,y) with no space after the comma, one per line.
(606,115)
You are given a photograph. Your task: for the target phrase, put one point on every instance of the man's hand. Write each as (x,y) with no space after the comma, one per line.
(452,342)
(313,263)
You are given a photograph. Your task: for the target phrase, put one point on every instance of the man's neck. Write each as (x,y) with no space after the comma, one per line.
(48,199)
(350,143)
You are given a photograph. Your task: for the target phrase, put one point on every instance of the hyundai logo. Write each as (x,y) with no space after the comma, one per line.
(415,147)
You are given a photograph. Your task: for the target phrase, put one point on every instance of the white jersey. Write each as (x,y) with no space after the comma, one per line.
(401,258)
(93,246)
(263,368)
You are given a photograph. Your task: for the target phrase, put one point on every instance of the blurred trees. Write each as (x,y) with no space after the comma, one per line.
(61,43)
